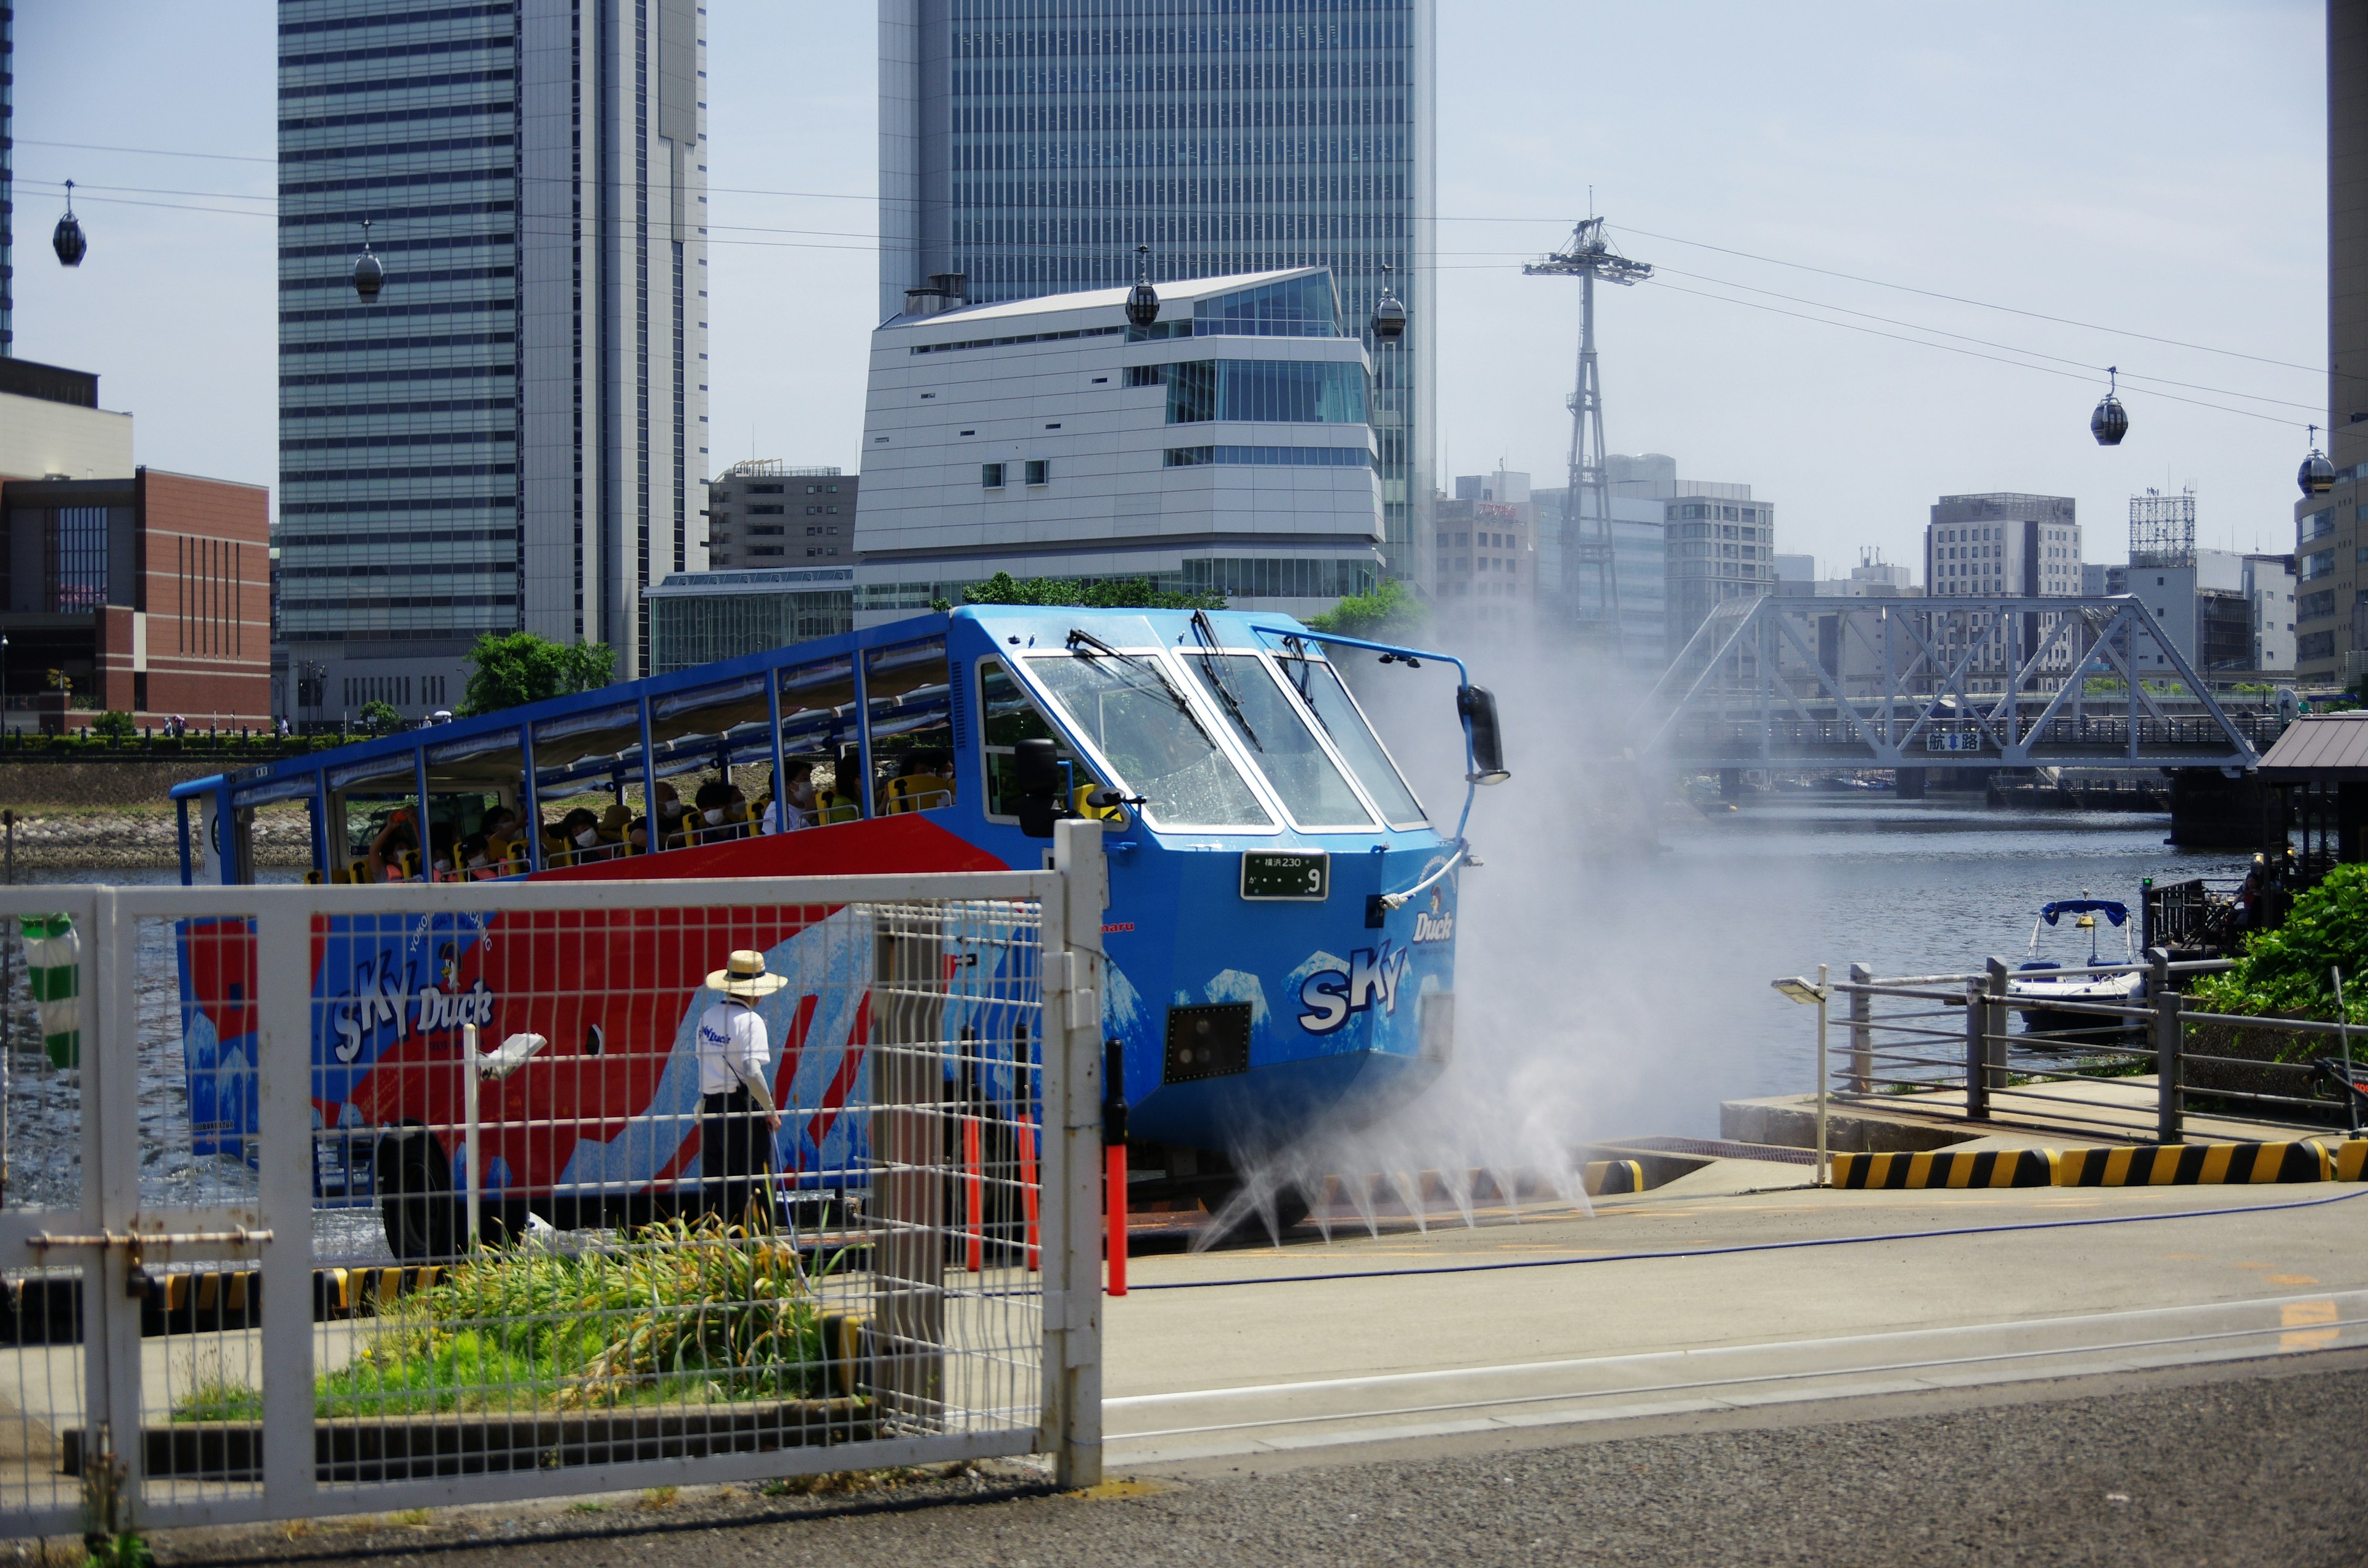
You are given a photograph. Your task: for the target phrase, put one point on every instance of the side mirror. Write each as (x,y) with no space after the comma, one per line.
(1036,781)
(1477,707)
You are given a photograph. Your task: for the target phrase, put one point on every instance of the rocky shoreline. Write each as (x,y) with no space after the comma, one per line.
(59,838)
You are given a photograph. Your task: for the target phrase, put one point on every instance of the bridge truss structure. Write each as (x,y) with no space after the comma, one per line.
(1941,683)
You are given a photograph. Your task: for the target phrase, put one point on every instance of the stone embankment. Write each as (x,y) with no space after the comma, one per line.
(61,838)
(101,816)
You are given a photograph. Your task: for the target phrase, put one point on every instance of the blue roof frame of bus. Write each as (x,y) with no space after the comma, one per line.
(293,778)
(509,721)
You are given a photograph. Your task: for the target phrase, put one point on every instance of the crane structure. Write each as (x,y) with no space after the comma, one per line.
(1587,505)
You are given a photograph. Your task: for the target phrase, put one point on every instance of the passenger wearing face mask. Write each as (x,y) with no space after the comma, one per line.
(800,810)
(669,815)
(711,809)
(477,862)
(580,831)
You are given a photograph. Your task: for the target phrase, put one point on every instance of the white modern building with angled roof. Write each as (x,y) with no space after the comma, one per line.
(1228,447)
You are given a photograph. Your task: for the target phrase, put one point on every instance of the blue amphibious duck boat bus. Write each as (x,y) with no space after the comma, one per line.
(1281,931)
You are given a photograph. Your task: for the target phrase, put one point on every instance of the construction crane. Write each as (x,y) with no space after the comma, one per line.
(1587,523)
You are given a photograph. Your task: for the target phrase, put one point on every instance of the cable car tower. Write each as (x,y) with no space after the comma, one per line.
(1587,505)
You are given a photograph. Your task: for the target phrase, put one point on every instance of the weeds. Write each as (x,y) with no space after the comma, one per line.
(658,1497)
(683,1311)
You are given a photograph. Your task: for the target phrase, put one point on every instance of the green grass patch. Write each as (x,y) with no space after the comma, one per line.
(680,1312)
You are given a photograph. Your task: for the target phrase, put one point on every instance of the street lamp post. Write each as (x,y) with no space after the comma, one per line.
(1799,990)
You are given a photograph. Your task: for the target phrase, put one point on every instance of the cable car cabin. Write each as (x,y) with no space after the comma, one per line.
(1281,929)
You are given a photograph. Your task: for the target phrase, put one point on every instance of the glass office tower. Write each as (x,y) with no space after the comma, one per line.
(513,435)
(1031,145)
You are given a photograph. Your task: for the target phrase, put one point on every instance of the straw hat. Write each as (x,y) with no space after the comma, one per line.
(745,976)
(618,818)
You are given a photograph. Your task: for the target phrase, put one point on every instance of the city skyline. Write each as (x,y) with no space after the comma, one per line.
(2070,193)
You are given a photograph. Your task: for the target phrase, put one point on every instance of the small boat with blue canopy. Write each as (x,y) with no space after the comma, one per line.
(2038,983)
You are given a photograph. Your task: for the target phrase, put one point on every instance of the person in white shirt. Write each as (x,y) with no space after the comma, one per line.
(736,1069)
(801,797)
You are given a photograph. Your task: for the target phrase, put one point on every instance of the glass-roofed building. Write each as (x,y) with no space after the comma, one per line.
(1228,447)
(1031,145)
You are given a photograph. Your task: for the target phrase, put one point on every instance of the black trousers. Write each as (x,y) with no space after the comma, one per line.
(735,1150)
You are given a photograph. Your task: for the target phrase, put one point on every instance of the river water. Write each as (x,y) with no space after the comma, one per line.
(1737,898)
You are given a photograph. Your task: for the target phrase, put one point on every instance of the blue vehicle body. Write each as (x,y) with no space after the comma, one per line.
(1246,1008)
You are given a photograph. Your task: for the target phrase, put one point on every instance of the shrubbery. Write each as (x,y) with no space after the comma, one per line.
(2286,971)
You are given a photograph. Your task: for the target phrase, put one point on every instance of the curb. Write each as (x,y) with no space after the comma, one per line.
(1940,1167)
(2195,1165)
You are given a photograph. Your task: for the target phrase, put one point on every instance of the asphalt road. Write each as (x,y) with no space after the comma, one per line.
(2241,1463)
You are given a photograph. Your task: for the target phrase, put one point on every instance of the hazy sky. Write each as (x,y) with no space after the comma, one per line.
(2158,169)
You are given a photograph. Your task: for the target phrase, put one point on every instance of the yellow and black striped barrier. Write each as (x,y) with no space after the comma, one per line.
(1612,1178)
(2352,1160)
(1946,1168)
(2194,1164)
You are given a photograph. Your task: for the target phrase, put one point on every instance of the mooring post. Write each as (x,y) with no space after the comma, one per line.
(1993,1023)
(1977,1078)
(2168,1029)
(1861,1030)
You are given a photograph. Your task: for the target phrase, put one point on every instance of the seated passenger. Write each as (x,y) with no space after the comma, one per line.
(669,815)
(478,863)
(580,830)
(712,806)
(394,838)
(614,821)
(800,797)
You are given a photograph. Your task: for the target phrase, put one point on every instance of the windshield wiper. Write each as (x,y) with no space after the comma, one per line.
(1159,683)
(1208,637)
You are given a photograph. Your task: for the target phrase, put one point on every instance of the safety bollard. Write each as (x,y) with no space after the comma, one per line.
(1029,1194)
(1114,1179)
(973,1199)
(1114,1160)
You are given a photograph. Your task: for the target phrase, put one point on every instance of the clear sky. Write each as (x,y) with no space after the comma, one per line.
(2157,168)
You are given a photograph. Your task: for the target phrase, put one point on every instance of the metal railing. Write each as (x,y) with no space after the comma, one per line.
(1945,1045)
(509,1246)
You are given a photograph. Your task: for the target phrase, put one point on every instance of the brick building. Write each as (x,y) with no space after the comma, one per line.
(151,594)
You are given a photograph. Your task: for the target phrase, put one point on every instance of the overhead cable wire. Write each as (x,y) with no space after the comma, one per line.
(1963,299)
(1987,342)
(1952,348)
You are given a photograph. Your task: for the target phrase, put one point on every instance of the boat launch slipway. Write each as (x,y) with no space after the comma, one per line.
(1281,927)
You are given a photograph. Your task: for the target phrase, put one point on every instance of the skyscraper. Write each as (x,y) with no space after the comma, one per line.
(513,435)
(1031,145)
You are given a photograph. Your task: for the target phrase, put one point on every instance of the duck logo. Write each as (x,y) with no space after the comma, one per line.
(1332,996)
(1436,924)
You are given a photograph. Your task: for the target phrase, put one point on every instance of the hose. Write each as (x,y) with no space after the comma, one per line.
(1749,1246)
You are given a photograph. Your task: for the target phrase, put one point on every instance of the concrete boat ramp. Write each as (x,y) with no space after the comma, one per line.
(1733,1282)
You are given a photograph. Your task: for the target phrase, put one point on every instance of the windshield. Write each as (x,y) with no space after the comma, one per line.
(1134,716)
(1314,789)
(1318,684)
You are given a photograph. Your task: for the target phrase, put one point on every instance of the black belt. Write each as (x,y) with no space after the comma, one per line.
(716,1105)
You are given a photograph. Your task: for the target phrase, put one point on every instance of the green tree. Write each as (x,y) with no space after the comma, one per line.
(380,718)
(1389,611)
(114,725)
(1067,592)
(506,671)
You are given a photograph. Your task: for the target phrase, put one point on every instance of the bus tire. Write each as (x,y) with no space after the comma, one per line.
(422,1217)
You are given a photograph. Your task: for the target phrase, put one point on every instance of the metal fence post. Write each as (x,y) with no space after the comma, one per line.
(1862,1014)
(283,983)
(1977,1078)
(2168,1031)
(1995,1021)
(1073,1041)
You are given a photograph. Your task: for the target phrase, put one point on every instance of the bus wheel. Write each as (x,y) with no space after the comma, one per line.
(1249,1227)
(416,1203)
